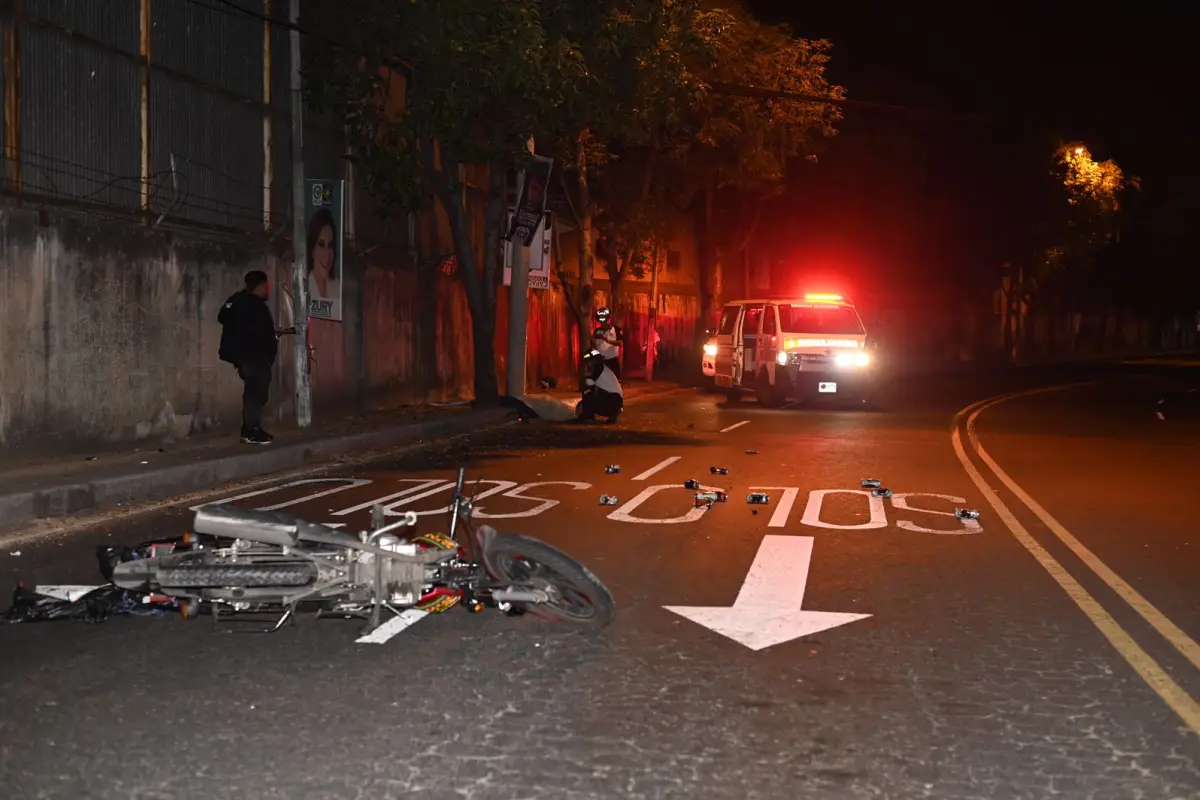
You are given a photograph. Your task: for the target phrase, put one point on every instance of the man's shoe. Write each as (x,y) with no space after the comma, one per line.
(263,434)
(255,437)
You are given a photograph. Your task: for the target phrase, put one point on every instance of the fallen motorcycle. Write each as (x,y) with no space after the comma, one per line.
(249,562)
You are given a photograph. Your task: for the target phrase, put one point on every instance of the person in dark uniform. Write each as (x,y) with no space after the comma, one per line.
(250,342)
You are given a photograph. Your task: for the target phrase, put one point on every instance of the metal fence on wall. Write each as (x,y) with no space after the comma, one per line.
(175,110)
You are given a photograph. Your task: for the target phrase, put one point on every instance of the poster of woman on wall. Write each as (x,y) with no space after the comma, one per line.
(323,226)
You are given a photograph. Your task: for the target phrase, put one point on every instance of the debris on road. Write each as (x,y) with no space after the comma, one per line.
(718,470)
(97,603)
(1159,414)
(871,483)
(94,607)
(881,492)
(15,554)
(691,483)
(963,513)
(758,498)
(751,452)
(706,499)
(612,469)
(607,500)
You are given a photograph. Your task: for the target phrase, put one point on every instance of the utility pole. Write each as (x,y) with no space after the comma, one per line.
(299,243)
(518,306)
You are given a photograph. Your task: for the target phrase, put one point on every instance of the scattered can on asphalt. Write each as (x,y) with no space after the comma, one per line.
(871,483)
(691,484)
(880,492)
(718,470)
(612,469)
(758,498)
(706,499)
(607,500)
(963,513)
(751,452)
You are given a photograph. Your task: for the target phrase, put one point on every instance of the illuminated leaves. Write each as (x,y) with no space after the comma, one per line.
(1089,181)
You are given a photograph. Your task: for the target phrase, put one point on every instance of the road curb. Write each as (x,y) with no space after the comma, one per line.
(22,508)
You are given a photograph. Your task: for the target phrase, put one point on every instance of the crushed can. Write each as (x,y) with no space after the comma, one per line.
(880,492)
(871,483)
(691,484)
(607,500)
(718,470)
(758,498)
(751,452)
(612,469)
(963,513)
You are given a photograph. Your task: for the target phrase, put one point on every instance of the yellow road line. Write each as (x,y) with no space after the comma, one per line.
(1150,671)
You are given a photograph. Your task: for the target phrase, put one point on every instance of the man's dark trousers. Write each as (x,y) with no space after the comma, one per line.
(256,383)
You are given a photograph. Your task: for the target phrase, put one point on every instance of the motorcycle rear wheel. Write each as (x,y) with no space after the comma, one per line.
(218,575)
(583,599)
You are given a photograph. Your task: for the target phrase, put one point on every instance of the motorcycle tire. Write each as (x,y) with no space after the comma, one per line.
(213,576)
(568,576)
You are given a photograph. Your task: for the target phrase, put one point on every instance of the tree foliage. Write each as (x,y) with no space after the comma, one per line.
(1080,219)
(620,92)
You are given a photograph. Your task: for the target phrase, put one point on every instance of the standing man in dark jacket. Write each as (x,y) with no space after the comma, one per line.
(250,342)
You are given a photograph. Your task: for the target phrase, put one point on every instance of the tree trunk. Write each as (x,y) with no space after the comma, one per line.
(711,283)
(427,249)
(587,259)
(479,284)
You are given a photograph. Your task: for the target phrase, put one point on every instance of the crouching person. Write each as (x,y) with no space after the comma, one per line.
(603,396)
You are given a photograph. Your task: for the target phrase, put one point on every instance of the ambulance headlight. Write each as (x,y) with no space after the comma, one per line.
(710,350)
(846,360)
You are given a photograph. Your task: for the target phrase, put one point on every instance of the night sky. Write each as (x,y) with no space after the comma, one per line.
(924,196)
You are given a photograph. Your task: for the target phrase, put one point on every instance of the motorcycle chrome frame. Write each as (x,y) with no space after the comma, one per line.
(460,510)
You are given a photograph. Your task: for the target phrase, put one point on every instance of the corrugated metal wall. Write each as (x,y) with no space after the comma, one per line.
(79,111)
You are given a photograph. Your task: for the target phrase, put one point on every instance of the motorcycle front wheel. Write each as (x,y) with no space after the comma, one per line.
(578,596)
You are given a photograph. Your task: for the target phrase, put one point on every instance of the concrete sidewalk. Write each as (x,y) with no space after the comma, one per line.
(68,485)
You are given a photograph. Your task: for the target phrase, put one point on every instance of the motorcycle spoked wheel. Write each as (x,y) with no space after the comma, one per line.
(438,600)
(523,561)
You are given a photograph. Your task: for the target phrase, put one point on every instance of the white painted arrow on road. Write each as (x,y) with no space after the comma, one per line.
(768,610)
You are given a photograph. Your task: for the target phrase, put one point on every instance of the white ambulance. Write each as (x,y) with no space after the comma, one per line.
(794,349)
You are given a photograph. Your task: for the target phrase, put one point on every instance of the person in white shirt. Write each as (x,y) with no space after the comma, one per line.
(607,341)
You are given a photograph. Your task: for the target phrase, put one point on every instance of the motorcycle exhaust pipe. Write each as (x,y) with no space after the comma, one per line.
(520,596)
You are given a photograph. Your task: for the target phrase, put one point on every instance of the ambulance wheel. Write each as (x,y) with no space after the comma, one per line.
(734,396)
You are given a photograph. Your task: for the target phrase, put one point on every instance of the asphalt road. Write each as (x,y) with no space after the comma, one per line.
(1012,658)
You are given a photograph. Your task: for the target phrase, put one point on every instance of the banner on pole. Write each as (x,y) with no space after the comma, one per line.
(539,254)
(324,210)
(531,201)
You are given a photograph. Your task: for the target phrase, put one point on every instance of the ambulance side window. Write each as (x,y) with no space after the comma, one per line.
(728,320)
(768,328)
